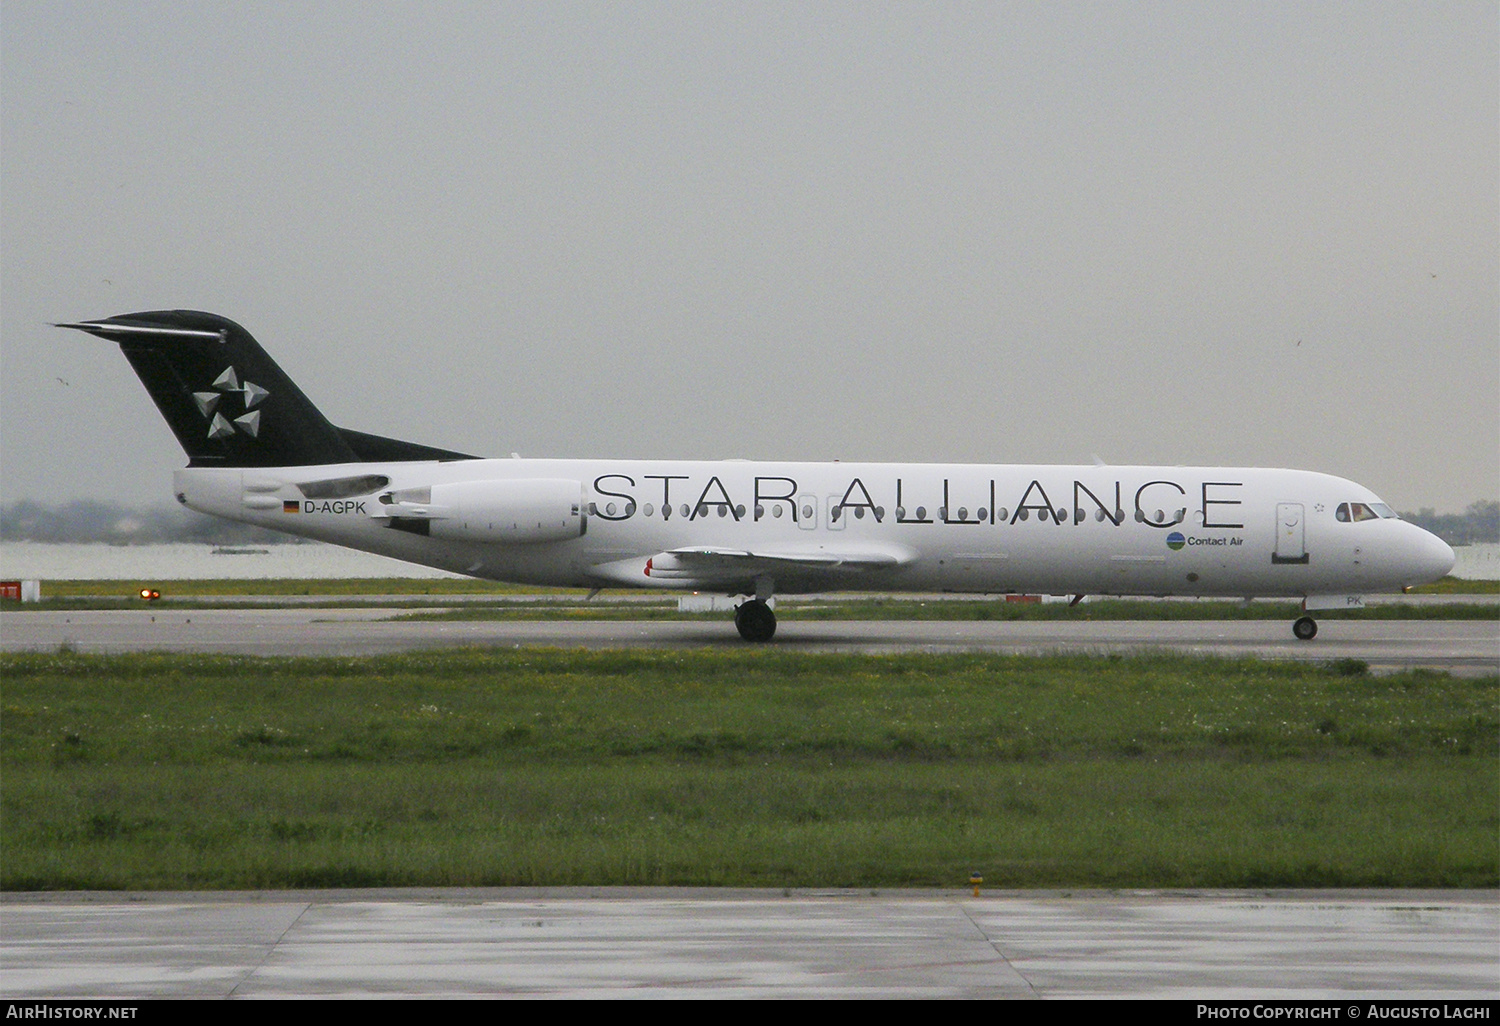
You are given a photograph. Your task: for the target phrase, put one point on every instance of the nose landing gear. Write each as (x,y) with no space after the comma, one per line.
(1306,628)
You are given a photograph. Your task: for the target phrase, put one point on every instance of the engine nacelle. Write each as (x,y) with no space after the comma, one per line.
(515,512)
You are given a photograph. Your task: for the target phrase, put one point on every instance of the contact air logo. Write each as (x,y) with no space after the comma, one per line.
(1175,541)
(227,384)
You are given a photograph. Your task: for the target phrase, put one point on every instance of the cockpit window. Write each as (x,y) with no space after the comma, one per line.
(1357,511)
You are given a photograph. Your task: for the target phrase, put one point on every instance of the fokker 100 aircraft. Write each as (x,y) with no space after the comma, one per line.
(259,452)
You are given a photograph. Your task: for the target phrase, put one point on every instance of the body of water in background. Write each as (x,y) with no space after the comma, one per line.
(43,561)
(1477,562)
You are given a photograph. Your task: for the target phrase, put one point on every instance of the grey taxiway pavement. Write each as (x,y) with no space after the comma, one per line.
(1339,946)
(1462,646)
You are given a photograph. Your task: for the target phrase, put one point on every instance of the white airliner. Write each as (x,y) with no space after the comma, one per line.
(261,453)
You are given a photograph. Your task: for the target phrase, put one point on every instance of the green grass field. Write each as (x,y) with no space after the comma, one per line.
(281,587)
(744,768)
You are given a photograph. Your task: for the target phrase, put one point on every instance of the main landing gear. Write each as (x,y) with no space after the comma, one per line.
(754,620)
(1306,628)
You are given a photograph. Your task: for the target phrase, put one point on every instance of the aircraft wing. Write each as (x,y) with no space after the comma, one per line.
(702,559)
(711,566)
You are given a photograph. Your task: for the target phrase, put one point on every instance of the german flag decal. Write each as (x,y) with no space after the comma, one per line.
(290,506)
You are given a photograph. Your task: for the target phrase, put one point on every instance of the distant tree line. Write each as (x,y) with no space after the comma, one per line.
(89,520)
(1479,523)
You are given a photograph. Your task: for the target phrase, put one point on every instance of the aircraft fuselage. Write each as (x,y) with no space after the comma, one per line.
(943,527)
(260,452)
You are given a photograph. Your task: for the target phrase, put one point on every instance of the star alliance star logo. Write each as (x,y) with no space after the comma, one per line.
(219,426)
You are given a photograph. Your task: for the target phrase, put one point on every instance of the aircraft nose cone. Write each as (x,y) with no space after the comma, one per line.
(1434,557)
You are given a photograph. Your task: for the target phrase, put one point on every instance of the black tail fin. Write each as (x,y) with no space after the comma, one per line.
(228,403)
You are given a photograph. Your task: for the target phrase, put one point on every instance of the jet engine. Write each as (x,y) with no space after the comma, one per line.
(508,511)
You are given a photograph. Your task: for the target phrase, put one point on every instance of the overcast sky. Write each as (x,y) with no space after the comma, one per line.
(1212,233)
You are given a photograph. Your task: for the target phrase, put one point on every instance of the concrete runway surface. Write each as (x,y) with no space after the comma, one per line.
(1461,646)
(611,943)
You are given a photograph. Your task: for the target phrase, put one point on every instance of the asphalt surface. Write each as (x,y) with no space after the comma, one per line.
(1470,647)
(1338,946)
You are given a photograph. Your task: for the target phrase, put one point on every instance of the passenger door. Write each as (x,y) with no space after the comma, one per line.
(1291,534)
